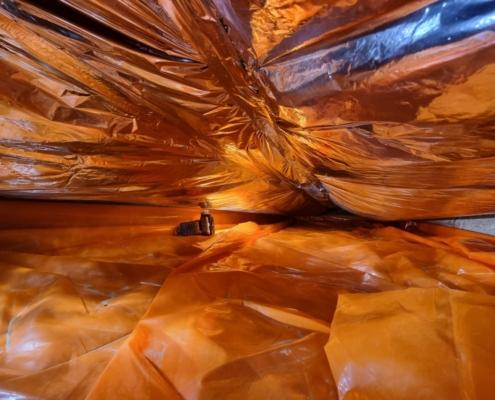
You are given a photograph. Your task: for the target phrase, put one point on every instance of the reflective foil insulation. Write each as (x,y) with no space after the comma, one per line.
(119,117)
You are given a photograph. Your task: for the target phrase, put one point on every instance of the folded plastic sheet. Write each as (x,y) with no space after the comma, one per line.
(443,354)
(74,281)
(102,307)
(384,108)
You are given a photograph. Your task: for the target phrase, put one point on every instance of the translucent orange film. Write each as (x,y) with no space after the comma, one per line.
(335,308)
(118,118)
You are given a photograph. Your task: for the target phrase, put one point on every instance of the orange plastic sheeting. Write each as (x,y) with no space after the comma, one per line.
(413,344)
(129,311)
(68,299)
(218,332)
(473,245)
(16,214)
(253,324)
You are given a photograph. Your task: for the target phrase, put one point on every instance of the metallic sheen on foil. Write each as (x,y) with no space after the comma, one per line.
(383,107)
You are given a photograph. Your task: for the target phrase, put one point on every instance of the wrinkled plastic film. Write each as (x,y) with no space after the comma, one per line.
(451,331)
(253,320)
(75,280)
(70,92)
(91,311)
(383,108)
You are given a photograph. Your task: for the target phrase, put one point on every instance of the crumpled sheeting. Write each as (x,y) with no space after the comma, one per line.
(75,279)
(384,108)
(84,117)
(404,356)
(69,301)
(323,308)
